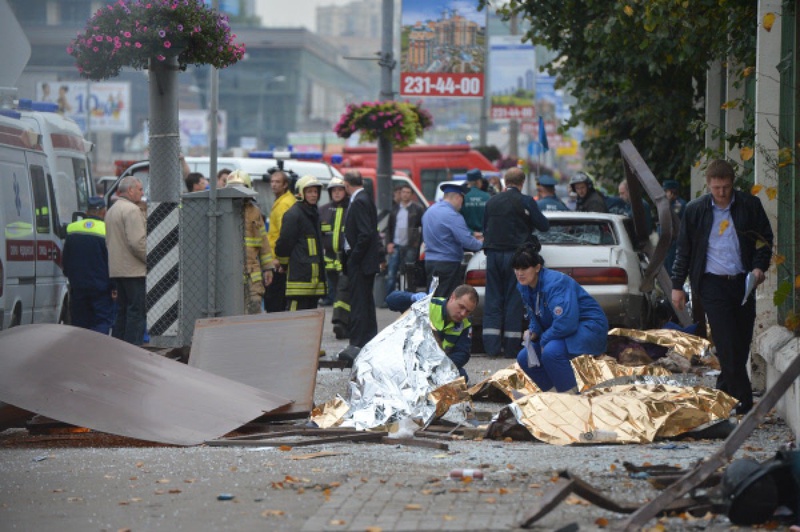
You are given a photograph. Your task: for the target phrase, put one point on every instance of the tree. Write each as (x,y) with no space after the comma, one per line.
(638,68)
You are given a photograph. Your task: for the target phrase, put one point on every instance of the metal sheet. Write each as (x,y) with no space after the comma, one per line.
(87,379)
(277,352)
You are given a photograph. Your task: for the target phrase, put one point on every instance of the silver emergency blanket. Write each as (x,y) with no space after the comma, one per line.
(395,373)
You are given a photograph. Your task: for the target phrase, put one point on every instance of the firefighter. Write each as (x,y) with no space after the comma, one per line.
(331,216)
(299,248)
(258,254)
(91,291)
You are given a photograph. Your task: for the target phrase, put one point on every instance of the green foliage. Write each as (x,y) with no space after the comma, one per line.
(782,293)
(638,70)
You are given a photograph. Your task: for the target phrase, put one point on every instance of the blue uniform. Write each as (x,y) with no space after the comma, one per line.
(86,266)
(568,322)
(551,203)
(446,236)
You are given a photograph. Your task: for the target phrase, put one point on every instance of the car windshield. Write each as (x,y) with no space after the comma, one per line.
(578,232)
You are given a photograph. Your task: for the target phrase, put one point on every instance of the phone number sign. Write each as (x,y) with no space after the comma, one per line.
(441,84)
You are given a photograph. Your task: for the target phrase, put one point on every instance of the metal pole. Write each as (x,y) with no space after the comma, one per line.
(484,124)
(213,214)
(513,126)
(384,170)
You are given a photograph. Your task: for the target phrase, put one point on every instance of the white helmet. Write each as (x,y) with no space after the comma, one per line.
(336,182)
(239,177)
(305,182)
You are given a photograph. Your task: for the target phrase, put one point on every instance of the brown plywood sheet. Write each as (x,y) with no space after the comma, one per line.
(87,379)
(276,352)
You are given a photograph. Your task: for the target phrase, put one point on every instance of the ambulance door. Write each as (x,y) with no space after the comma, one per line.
(49,279)
(19,239)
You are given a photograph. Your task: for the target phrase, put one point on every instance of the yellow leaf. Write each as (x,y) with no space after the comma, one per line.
(778,259)
(413,507)
(746,152)
(628,10)
(490,500)
(723,225)
(797,282)
(373,529)
(769,20)
(747,72)
(272,513)
(756,189)
(448,517)
(784,157)
(337,522)
(602,522)
(730,104)
(792,321)
(772,192)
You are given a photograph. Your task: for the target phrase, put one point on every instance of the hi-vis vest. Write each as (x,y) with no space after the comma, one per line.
(447,333)
(332,233)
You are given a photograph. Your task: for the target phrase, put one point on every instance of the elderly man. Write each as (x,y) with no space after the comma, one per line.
(126,237)
(725,235)
(91,292)
(446,236)
(511,217)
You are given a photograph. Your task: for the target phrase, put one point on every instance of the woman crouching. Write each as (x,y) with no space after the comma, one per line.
(564,321)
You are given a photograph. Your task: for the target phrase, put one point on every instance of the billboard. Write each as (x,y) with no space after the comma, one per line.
(195,126)
(94,106)
(512,78)
(443,49)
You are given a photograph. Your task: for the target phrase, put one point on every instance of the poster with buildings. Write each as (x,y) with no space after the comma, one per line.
(512,78)
(95,107)
(443,49)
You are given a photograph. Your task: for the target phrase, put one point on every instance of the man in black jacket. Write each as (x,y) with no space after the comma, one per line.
(724,236)
(508,222)
(361,263)
(403,235)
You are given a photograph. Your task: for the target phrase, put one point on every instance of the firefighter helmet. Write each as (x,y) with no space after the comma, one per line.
(305,182)
(239,177)
(335,182)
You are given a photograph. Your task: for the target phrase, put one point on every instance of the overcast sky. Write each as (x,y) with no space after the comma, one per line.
(293,13)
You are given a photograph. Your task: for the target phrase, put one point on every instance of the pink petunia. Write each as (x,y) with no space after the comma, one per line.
(167,44)
(160,57)
(138,45)
(127,34)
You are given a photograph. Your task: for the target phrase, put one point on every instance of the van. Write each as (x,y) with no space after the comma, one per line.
(427,165)
(36,205)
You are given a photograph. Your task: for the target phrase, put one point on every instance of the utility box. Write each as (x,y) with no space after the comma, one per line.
(211,272)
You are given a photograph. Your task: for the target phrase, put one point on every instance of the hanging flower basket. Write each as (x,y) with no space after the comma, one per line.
(399,122)
(129,33)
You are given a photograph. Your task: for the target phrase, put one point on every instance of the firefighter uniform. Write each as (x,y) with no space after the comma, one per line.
(258,254)
(331,216)
(85,262)
(299,250)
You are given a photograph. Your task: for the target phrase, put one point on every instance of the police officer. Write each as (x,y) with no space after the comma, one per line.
(91,291)
(331,218)
(548,201)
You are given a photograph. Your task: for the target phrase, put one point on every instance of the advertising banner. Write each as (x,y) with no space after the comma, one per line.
(195,127)
(512,78)
(94,106)
(443,49)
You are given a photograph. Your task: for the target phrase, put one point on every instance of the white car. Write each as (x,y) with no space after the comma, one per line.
(596,250)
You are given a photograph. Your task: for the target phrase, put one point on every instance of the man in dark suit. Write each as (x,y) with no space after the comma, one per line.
(361,264)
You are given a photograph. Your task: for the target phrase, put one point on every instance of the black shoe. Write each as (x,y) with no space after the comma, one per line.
(349,354)
(742,410)
(340,332)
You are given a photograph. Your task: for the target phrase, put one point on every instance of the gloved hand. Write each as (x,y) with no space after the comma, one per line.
(417,296)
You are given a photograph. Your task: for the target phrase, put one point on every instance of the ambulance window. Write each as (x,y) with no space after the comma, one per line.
(60,227)
(82,184)
(40,203)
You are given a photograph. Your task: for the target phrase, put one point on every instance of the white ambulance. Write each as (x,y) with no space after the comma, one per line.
(45,181)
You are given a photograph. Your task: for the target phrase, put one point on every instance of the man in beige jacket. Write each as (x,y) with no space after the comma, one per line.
(126,238)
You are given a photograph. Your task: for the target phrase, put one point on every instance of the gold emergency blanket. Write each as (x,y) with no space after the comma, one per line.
(511,382)
(621,414)
(591,371)
(331,413)
(687,345)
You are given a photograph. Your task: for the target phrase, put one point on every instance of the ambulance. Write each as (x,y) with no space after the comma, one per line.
(45,183)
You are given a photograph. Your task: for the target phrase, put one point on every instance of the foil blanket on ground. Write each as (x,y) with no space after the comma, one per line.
(395,373)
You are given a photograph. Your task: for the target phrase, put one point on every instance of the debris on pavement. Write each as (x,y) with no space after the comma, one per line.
(234,347)
(87,379)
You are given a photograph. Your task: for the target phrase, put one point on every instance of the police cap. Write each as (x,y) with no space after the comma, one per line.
(452,187)
(547,180)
